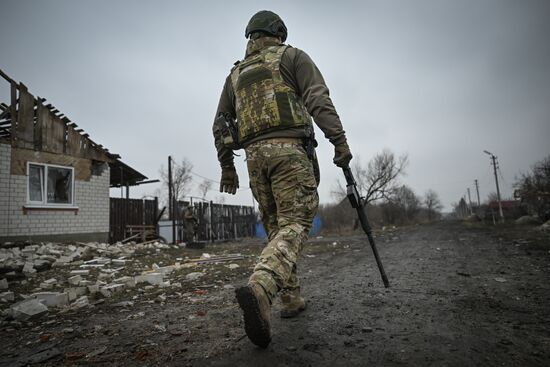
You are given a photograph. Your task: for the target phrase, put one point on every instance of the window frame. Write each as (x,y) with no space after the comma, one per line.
(44,186)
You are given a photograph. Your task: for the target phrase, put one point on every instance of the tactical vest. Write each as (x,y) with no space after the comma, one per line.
(264,102)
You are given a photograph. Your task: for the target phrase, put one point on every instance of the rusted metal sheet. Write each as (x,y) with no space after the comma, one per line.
(25,119)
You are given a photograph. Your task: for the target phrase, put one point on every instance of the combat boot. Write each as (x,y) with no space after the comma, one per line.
(292,304)
(256,307)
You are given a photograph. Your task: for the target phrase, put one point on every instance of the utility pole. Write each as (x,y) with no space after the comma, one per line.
(477,190)
(470,201)
(495,166)
(171,200)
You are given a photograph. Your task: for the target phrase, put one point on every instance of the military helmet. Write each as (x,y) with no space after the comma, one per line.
(266,21)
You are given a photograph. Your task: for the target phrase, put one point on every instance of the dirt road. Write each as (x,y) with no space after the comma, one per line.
(461,295)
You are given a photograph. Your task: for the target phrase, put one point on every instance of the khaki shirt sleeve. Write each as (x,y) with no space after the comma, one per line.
(299,70)
(226,104)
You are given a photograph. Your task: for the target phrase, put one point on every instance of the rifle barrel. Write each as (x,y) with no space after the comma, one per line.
(357,203)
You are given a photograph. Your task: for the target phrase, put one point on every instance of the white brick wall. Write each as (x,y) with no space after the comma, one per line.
(91,198)
(5,158)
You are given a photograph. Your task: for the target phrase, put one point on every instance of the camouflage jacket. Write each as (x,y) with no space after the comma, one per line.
(301,73)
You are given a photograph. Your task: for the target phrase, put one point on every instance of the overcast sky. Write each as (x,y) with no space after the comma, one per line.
(438,80)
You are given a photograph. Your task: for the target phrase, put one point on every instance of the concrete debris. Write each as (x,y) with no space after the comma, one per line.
(52,299)
(94,270)
(80,272)
(80,302)
(28,268)
(93,288)
(27,309)
(129,282)
(75,292)
(75,279)
(194,276)
(151,278)
(124,304)
(7,296)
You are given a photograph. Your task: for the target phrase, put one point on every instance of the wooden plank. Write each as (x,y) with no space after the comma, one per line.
(58,135)
(25,119)
(74,141)
(39,126)
(13,113)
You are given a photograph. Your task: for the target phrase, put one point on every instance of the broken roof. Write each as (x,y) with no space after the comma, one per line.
(28,122)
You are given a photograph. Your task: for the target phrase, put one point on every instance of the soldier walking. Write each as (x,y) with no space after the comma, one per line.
(273,93)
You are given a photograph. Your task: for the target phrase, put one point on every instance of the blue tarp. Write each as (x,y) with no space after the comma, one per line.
(315,228)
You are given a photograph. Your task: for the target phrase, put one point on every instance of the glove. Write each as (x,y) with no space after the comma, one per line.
(230,181)
(342,155)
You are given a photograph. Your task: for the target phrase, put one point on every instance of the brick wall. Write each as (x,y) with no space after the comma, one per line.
(91,198)
(5,158)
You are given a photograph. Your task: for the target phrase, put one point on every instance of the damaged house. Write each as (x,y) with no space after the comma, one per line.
(54,180)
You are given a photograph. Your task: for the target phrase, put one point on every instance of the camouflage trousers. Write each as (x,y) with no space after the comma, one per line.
(283,183)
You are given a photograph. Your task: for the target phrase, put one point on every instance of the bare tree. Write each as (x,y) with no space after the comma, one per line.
(204,187)
(181,178)
(533,189)
(378,180)
(401,207)
(433,204)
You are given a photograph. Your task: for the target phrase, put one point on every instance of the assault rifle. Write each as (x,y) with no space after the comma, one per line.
(357,202)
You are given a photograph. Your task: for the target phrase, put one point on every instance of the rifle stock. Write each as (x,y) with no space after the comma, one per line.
(357,202)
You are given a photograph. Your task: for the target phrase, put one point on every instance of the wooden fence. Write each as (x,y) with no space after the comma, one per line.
(215,222)
(124,212)
(218,222)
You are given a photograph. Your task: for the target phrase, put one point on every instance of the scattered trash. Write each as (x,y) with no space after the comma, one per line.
(233,266)
(45,337)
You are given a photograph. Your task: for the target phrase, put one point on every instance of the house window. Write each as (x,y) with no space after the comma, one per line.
(50,185)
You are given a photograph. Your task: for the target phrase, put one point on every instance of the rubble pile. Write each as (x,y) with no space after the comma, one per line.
(85,274)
